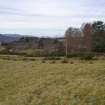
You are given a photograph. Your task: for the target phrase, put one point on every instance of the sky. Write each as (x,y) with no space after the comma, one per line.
(47,17)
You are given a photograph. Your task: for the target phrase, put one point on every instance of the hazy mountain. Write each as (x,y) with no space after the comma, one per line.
(7,38)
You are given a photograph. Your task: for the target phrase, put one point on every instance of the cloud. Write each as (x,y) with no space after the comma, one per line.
(48,14)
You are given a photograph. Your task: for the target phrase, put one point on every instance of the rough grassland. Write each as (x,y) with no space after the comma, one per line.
(25,82)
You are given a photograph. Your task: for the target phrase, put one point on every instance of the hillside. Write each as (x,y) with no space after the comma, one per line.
(7,38)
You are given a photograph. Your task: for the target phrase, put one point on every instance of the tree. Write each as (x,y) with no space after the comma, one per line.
(58,47)
(98,36)
(41,43)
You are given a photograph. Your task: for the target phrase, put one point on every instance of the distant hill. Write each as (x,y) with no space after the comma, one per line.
(33,46)
(7,38)
(35,42)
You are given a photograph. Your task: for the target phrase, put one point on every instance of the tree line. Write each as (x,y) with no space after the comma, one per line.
(98,36)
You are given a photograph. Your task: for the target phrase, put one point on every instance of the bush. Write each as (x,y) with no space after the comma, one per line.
(56,53)
(82,55)
(43,61)
(71,55)
(77,54)
(90,62)
(52,58)
(52,62)
(64,61)
(87,56)
(71,62)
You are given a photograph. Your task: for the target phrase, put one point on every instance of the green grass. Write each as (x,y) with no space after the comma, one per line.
(26,82)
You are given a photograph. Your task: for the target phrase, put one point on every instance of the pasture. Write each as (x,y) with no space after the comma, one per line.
(29,81)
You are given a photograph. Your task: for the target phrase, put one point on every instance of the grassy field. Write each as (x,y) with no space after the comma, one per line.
(28,81)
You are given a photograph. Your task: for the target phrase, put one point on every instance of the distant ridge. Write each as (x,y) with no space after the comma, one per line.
(7,38)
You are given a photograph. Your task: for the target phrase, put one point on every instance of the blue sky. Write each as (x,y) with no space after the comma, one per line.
(48,17)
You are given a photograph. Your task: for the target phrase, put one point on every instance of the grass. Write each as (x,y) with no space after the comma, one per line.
(28,82)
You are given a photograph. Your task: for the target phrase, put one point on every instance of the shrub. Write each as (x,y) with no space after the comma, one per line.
(77,54)
(87,56)
(90,62)
(71,62)
(43,61)
(32,59)
(56,53)
(64,61)
(82,55)
(52,58)
(71,55)
(53,62)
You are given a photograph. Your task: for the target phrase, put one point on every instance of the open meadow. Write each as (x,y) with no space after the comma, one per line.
(32,81)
